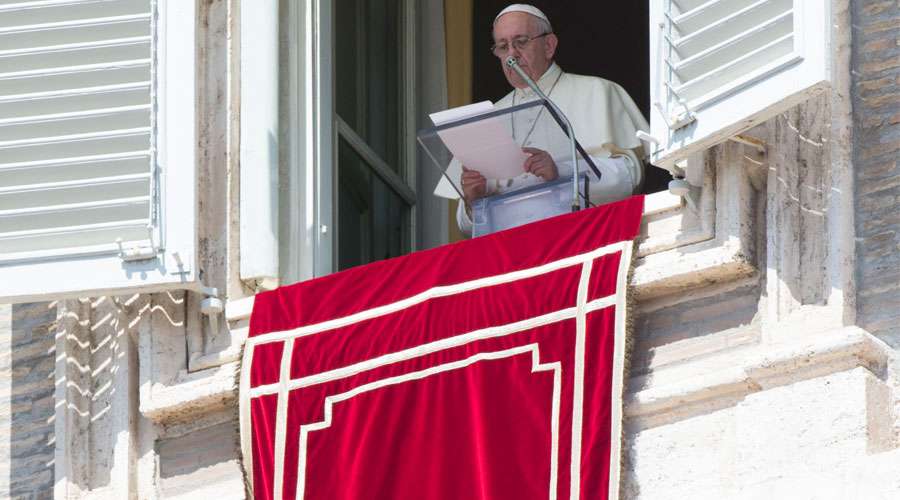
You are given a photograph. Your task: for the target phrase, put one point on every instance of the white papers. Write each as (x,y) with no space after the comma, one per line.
(448,115)
(485,146)
(446,190)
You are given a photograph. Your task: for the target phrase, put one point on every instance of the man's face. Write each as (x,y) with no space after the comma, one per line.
(534,58)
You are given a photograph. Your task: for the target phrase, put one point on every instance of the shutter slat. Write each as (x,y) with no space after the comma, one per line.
(93,181)
(69,207)
(74,214)
(77,230)
(98,144)
(75,23)
(66,124)
(72,163)
(739,21)
(73,100)
(695,19)
(686,5)
(75,124)
(699,88)
(48,242)
(75,46)
(726,51)
(718,43)
(68,192)
(42,58)
(74,169)
(37,4)
(91,113)
(78,78)
(73,138)
(52,11)
(79,30)
(73,92)
(69,70)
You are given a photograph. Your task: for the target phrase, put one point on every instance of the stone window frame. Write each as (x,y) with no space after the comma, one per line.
(707,237)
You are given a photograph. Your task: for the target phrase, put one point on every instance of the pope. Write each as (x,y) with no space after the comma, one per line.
(604,117)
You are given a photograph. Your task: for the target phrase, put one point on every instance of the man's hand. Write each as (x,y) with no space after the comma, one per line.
(541,164)
(474,184)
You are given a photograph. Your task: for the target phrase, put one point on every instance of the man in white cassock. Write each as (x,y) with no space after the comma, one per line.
(604,118)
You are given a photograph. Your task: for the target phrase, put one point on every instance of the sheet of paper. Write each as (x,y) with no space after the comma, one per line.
(448,115)
(446,190)
(485,146)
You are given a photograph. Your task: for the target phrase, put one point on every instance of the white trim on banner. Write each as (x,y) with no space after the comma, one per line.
(436,292)
(537,366)
(578,382)
(617,388)
(578,312)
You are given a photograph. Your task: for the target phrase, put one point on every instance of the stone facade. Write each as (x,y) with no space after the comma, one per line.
(761,387)
(27,436)
(767,321)
(876,159)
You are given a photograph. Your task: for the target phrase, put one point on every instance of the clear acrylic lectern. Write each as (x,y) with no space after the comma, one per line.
(492,143)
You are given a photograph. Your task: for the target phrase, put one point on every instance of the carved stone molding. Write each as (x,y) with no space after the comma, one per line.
(681,246)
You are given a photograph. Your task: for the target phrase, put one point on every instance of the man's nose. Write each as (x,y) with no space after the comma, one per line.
(513,52)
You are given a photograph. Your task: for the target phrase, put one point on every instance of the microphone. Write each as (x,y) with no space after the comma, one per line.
(513,63)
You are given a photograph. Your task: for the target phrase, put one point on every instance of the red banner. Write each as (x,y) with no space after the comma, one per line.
(486,369)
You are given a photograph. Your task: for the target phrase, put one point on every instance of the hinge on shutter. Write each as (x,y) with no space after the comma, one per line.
(139,252)
(676,120)
(686,117)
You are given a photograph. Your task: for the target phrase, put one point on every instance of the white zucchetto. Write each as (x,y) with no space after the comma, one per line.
(524,7)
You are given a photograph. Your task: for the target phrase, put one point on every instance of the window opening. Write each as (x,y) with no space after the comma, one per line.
(374,197)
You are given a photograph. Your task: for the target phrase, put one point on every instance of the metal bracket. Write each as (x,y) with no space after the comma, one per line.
(138,252)
(681,120)
(262,284)
(212,306)
(680,187)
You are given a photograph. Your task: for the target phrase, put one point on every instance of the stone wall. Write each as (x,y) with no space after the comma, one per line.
(760,388)
(876,110)
(809,439)
(201,464)
(27,436)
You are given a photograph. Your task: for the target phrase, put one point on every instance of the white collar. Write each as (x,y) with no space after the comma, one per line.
(545,82)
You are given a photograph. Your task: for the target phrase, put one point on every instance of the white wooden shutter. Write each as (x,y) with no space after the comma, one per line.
(719,67)
(96,146)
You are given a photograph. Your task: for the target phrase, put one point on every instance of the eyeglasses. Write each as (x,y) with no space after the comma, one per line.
(519,42)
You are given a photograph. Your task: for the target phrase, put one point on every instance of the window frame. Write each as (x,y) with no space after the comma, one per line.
(402,184)
(308,245)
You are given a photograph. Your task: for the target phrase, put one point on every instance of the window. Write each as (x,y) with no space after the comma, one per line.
(354,186)
(373,76)
(96,147)
(719,67)
(75,129)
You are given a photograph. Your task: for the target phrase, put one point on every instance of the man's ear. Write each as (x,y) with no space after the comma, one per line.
(550,46)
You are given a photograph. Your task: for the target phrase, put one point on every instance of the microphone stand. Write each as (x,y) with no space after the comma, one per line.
(513,63)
